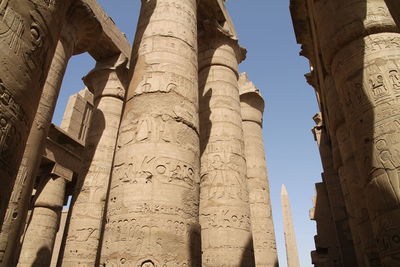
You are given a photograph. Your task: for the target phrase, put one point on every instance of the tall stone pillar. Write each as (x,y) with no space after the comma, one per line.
(152,213)
(339,202)
(353,194)
(85,225)
(29,31)
(252,108)
(14,221)
(292,255)
(358,47)
(224,200)
(43,225)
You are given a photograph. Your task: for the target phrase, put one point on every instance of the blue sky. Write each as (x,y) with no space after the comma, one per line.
(274,65)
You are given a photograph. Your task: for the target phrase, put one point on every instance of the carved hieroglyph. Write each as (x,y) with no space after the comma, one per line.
(292,255)
(29,32)
(14,221)
(362,50)
(353,194)
(252,108)
(45,218)
(85,225)
(224,200)
(152,213)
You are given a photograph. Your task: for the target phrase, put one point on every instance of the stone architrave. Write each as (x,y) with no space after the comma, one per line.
(107,82)
(224,199)
(44,221)
(292,255)
(358,48)
(152,209)
(14,221)
(29,31)
(252,108)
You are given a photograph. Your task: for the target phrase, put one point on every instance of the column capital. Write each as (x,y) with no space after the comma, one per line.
(251,100)
(212,36)
(113,70)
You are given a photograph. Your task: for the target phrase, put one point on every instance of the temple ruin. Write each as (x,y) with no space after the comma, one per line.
(353,47)
(162,153)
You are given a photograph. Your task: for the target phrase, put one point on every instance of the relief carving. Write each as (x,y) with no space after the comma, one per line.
(223,179)
(164,169)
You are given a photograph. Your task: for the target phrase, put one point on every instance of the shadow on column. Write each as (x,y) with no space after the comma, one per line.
(42,256)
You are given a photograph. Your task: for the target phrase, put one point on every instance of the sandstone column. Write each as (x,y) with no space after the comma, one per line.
(19,202)
(353,194)
(85,225)
(364,60)
(152,213)
(29,32)
(224,201)
(290,236)
(43,225)
(252,108)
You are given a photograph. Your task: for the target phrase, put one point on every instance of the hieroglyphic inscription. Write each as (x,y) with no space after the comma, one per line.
(11,119)
(166,170)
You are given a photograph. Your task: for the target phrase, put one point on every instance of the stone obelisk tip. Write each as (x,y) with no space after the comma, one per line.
(283,190)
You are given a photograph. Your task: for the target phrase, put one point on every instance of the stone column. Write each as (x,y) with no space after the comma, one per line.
(85,225)
(43,225)
(224,199)
(353,194)
(252,108)
(359,48)
(292,255)
(339,203)
(14,221)
(152,213)
(29,32)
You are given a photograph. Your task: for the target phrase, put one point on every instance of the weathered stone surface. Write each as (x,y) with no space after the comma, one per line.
(85,225)
(327,253)
(152,214)
(77,115)
(44,222)
(224,200)
(252,108)
(20,199)
(359,47)
(292,256)
(28,38)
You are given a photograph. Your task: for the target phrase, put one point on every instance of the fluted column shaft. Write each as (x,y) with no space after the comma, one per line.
(224,200)
(43,225)
(252,107)
(363,60)
(20,199)
(29,32)
(85,225)
(152,213)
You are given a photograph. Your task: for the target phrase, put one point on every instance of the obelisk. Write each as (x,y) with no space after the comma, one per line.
(290,238)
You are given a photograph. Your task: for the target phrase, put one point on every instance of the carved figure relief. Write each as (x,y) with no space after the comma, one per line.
(11,27)
(222,180)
